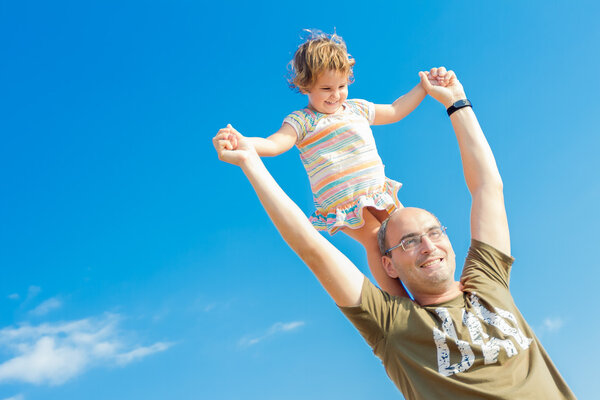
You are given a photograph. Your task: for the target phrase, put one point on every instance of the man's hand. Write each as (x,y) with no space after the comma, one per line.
(232,147)
(442,85)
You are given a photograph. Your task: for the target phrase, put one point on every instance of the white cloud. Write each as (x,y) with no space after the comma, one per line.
(54,353)
(284,327)
(14,296)
(276,328)
(553,324)
(17,397)
(141,352)
(45,307)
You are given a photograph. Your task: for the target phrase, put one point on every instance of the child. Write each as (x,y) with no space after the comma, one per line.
(337,147)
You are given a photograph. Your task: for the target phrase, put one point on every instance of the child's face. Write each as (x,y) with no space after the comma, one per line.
(328,92)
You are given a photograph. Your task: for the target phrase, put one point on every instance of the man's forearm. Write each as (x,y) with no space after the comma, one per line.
(489,223)
(479,165)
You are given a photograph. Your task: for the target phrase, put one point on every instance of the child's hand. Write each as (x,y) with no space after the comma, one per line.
(442,85)
(232,147)
(227,139)
(439,77)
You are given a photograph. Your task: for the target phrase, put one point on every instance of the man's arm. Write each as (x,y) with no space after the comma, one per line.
(340,278)
(488,215)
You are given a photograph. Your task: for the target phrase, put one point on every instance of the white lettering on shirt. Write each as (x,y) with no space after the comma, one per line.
(490,346)
(443,352)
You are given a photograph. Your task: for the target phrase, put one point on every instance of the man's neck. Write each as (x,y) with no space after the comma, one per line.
(451,292)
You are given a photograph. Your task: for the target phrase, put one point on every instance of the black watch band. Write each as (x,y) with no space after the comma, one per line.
(458,105)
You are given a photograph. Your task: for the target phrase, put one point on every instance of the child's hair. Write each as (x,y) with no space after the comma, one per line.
(317,54)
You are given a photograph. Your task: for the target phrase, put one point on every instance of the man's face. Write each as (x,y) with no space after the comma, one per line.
(429,267)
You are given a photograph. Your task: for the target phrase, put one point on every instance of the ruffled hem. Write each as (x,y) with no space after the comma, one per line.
(350,214)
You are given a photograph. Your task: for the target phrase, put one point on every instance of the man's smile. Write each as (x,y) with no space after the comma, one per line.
(432,262)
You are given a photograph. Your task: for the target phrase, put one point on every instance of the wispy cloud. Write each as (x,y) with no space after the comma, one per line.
(45,307)
(553,324)
(17,397)
(14,296)
(33,291)
(550,325)
(275,329)
(53,353)
(141,352)
(205,306)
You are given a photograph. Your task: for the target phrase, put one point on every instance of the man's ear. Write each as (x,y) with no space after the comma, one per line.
(389,267)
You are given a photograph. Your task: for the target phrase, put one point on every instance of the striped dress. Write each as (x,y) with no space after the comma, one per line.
(345,172)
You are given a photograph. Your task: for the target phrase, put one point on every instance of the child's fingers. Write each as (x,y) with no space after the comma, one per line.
(425,76)
(439,76)
(235,136)
(233,130)
(222,142)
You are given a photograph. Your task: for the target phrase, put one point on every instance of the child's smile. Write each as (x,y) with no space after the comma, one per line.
(329,92)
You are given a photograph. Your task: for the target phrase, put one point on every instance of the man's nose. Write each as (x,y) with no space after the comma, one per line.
(427,244)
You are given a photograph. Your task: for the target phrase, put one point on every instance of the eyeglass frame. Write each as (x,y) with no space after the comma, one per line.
(401,244)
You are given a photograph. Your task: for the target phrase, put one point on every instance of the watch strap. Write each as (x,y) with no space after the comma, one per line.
(458,105)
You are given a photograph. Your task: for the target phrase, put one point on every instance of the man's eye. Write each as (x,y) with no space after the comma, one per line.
(410,242)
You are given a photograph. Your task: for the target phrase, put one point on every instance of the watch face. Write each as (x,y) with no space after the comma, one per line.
(460,103)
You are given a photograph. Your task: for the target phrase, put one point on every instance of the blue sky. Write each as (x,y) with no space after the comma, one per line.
(136,265)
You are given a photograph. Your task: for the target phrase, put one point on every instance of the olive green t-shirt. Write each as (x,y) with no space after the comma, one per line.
(475,346)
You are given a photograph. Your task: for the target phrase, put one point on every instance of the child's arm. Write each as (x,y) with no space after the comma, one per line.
(279,142)
(404,105)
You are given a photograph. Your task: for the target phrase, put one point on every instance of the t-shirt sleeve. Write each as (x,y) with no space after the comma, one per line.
(300,122)
(374,316)
(364,108)
(484,262)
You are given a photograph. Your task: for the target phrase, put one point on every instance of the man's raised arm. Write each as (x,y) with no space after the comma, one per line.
(488,215)
(340,278)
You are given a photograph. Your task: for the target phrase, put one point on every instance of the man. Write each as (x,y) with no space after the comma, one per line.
(456,340)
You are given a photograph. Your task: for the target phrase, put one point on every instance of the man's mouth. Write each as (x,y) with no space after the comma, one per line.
(431,263)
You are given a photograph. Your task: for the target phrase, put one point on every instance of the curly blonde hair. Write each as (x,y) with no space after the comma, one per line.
(320,52)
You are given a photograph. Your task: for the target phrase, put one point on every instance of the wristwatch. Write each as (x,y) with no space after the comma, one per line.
(458,105)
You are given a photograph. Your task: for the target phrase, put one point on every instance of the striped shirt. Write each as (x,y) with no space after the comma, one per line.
(345,171)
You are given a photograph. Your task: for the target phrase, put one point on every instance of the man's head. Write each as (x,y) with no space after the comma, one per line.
(427,265)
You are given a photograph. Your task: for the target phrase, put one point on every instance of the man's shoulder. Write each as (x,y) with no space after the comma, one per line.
(479,249)
(486,264)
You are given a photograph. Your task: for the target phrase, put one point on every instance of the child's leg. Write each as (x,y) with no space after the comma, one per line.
(367,236)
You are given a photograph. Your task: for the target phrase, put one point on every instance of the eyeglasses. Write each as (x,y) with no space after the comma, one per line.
(411,242)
